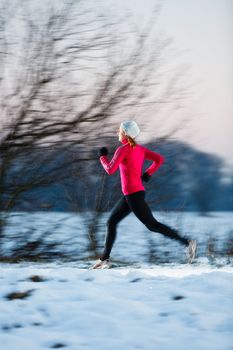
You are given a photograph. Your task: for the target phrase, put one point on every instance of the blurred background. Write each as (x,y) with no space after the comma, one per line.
(70,72)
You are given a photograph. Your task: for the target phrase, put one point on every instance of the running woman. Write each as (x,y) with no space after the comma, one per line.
(129,157)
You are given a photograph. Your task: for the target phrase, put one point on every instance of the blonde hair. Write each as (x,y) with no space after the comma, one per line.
(131,141)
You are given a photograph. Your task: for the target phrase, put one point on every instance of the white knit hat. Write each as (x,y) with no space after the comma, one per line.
(130,128)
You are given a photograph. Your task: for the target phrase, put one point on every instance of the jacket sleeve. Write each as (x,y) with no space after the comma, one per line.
(156,158)
(111,166)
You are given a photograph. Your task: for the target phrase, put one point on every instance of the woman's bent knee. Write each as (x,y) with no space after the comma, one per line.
(153,226)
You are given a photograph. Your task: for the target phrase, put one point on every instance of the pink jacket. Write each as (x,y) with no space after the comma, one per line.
(130,161)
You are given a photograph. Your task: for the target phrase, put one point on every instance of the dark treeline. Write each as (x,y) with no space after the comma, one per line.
(189,180)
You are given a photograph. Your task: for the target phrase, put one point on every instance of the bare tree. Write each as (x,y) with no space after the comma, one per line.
(65,70)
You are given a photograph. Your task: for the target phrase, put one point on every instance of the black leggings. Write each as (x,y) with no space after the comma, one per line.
(136,203)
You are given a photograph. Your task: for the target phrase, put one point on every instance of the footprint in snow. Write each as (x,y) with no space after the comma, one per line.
(138,279)
(36,278)
(178,297)
(19,295)
(58,346)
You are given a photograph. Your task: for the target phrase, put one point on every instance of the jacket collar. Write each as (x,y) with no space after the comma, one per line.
(124,141)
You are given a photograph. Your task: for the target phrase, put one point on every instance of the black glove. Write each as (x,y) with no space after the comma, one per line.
(103,151)
(145,177)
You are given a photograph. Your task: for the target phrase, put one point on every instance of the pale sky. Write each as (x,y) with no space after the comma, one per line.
(204,30)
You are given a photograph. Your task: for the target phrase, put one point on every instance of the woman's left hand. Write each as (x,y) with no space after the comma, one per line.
(145,177)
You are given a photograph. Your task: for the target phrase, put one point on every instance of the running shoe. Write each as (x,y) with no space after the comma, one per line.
(101,264)
(191,250)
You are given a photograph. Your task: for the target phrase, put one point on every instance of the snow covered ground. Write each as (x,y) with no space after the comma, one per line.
(158,307)
(152,300)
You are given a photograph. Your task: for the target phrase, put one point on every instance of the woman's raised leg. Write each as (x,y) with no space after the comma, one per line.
(140,208)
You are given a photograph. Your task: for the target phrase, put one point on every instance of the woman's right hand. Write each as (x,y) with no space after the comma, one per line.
(103,151)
